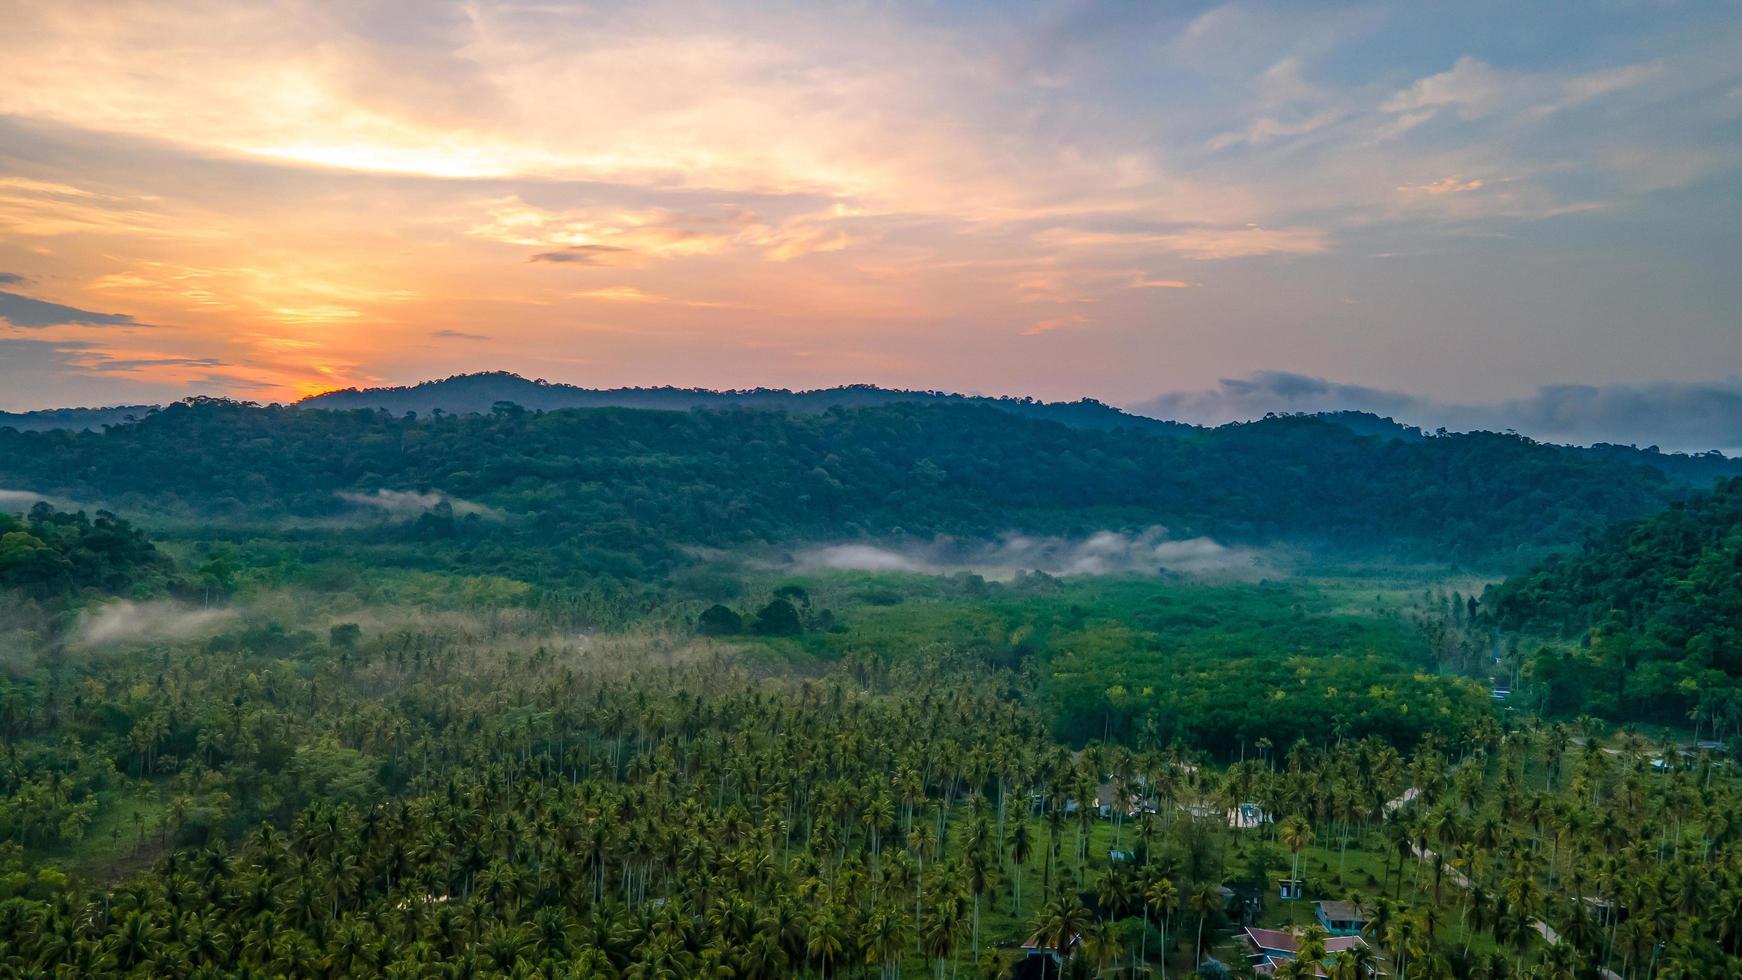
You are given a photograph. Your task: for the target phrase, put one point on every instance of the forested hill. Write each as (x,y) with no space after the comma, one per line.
(73,418)
(482,392)
(46,553)
(1658,600)
(621,490)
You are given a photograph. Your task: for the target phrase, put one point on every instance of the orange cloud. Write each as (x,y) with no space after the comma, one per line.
(1057,323)
(1203,243)
(1445,185)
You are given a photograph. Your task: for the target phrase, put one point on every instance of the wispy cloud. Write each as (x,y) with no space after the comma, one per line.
(304,189)
(1689,416)
(24,311)
(587,255)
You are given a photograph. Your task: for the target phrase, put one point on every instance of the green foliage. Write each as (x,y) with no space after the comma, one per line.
(1656,606)
(48,553)
(430,796)
(1156,660)
(778,618)
(718,620)
(619,493)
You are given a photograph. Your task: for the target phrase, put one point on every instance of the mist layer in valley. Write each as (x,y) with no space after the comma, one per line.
(1149,552)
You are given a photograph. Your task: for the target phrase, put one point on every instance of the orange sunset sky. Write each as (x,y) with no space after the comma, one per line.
(1060,199)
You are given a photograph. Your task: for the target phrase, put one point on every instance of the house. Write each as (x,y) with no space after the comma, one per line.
(1406,798)
(1107,801)
(1037,947)
(1247,816)
(1341,918)
(1290,889)
(1604,911)
(1268,949)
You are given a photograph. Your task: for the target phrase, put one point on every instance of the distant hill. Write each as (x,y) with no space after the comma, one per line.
(75,419)
(1656,604)
(1698,470)
(626,491)
(480,393)
(1695,469)
(1379,426)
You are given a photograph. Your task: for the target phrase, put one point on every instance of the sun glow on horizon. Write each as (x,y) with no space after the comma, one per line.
(1052,200)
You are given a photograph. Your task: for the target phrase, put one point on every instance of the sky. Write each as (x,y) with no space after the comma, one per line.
(1173,205)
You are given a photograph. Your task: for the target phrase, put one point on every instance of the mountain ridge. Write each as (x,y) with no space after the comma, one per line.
(479,393)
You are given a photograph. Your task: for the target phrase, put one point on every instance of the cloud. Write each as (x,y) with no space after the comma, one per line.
(19,501)
(619,294)
(46,373)
(586,255)
(1472,86)
(1476,89)
(122,621)
(1445,185)
(1267,128)
(1056,323)
(410,503)
(864,558)
(1677,416)
(1607,81)
(105,363)
(619,236)
(23,311)
(458,335)
(1201,243)
(1146,552)
(10,279)
(865,179)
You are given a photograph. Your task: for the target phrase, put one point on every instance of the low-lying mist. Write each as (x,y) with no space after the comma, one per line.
(19,501)
(124,621)
(411,503)
(1148,552)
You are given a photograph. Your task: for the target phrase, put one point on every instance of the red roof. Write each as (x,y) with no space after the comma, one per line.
(1273,939)
(1288,942)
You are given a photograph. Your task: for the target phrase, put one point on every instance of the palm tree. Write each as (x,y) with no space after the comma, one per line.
(1101,943)
(1205,901)
(1296,834)
(1162,898)
(823,941)
(1356,963)
(1402,938)
(884,939)
(1020,843)
(1059,925)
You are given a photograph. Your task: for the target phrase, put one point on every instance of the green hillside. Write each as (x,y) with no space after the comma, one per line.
(1657,607)
(623,492)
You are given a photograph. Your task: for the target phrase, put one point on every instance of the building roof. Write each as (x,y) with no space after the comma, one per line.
(1035,942)
(1273,939)
(1339,911)
(1288,942)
